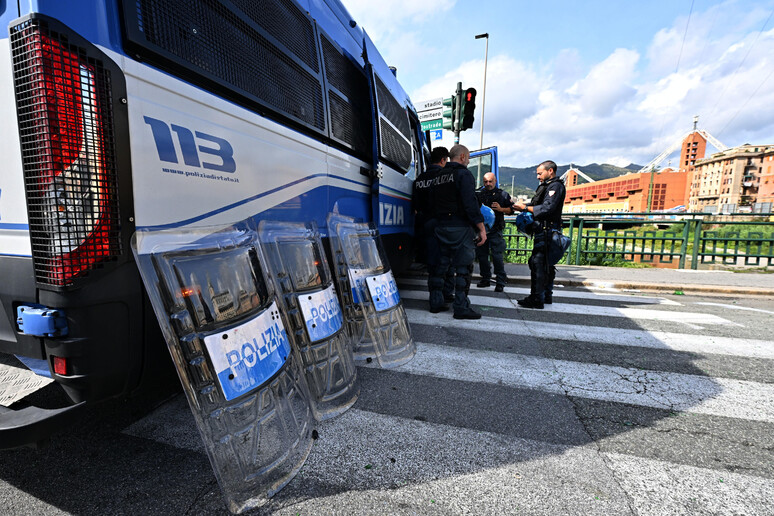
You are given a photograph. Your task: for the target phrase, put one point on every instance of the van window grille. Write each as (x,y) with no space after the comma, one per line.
(264,54)
(394,147)
(394,133)
(391,109)
(349,102)
(287,24)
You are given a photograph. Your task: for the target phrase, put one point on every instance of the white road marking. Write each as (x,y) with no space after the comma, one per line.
(665,390)
(737,307)
(701,344)
(619,298)
(689,318)
(662,487)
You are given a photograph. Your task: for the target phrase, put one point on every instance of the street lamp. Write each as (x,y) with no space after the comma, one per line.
(483,95)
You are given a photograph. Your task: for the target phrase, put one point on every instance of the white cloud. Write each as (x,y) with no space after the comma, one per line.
(662,97)
(627,107)
(618,161)
(391,17)
(511,90)
(615,115)
(607,85)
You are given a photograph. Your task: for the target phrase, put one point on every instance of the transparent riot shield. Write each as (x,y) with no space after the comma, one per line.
(297,263)
(227,337)
(362,345)
(372,287)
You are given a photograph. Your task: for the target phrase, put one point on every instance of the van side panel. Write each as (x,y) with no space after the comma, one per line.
(200,160)
(14,229)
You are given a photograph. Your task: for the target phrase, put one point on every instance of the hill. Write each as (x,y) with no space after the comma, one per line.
(525,182)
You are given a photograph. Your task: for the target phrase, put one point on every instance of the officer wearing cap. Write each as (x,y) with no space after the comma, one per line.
(546,208)
(453,204)
(500,202)
(427,244)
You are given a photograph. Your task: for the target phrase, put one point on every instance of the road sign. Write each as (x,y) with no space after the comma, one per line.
(429,125)
(437,134)
(430,114)
(427,105)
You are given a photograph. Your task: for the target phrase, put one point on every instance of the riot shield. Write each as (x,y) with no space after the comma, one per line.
(298,265)
(372,295)
(362,345)
(228,340)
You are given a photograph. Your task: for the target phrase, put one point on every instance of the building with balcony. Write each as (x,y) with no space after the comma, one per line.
(736,180)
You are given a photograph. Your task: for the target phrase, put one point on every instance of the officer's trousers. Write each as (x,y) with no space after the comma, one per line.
(433,255)
(457,251)
(496,244)
(541,273)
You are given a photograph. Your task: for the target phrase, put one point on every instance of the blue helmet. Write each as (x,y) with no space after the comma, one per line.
(525,223)
(489,216)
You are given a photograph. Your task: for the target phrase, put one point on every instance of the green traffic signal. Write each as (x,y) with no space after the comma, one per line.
(449,112)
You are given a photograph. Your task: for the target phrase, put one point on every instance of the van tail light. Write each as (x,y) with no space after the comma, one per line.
(64,107)
(60,366)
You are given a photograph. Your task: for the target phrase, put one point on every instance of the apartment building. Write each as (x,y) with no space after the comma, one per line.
(739,179)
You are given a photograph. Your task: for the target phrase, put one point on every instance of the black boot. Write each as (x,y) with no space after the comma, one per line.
(531,301)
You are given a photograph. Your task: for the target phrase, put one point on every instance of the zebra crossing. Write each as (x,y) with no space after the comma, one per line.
(604,403)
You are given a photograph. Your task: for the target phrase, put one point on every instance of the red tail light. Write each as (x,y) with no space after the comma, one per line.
(65,126)
(60,365)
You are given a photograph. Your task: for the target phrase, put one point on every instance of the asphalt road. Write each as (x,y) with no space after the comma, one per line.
(605,403)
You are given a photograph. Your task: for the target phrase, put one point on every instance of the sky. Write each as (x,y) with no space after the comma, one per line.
(587,81)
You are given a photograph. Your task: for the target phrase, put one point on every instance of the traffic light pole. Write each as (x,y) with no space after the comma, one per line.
(458,118)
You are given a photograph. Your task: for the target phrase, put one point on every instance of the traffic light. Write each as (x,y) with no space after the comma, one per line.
(449,112)
(468,107)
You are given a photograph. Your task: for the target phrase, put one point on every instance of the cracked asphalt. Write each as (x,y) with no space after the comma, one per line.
(524,412)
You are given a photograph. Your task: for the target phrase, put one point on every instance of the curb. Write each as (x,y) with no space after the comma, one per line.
(718,290)
(662,288)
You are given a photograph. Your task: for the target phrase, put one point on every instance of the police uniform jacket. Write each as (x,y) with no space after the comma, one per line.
(487,197)
(548,202)
(452,196)
(420,201)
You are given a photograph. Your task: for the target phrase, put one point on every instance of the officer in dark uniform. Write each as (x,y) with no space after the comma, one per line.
(453,204)
(546,208)
(425,222)
(500,202)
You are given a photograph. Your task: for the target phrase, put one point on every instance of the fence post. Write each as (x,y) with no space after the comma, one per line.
(580,239)
(572,226)
(684,246)
(696,244)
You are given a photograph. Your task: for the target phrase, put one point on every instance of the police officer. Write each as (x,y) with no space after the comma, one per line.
(500,202)
(426,222)
(546,208)
(453,204)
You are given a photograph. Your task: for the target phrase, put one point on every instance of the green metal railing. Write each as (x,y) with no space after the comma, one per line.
(606,239)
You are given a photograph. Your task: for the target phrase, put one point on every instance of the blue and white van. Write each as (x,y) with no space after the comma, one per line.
(127,114)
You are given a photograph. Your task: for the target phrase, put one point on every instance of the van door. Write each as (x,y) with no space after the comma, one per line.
(482,162)
(398,158)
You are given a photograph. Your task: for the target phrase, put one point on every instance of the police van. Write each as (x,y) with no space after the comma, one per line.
(123,115)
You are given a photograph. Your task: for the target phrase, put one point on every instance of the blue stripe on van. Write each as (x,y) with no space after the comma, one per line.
(15,227)
(228,207)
